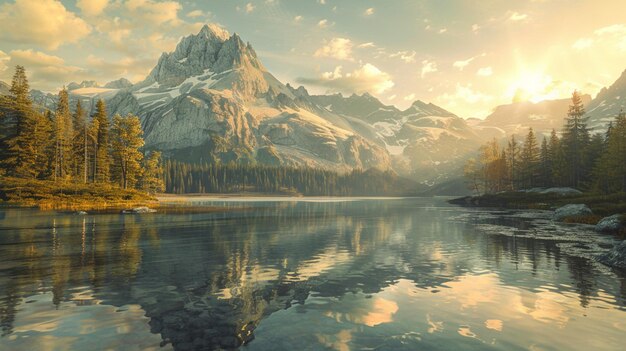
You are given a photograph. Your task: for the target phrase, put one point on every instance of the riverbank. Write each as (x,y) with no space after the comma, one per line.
(601,204)
(69,195)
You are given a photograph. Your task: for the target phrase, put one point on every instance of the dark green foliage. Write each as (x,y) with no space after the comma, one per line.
(593,163)
(185,178)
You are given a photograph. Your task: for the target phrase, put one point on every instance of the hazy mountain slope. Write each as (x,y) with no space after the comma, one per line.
(516,118)
(607,104)
(4,88)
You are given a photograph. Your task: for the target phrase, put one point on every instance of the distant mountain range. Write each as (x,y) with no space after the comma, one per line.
(212,99)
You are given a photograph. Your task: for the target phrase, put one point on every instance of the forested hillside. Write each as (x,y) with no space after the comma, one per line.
(573,158)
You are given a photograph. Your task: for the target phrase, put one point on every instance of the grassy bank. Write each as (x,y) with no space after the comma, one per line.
(602,205)
(69,195)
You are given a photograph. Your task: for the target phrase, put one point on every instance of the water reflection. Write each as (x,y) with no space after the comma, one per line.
(386,274)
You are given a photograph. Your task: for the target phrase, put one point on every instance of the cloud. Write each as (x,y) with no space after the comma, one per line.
(323,23)
(3,58)
(613,36)
(154,13)
(582,43)
(44,71)
(516,16)
(443,30)
(461,64)
(43,22)
(129,67)
(366,45)
(297,19)
(323,2)
(485,72)
(406,56)
(337,48)
(369,11)
(91,8)
(475,28)
(465,93)
(198,13)
(249,7)
(428,67)
(392,97)
(367,78)
(410,97)
(611,30)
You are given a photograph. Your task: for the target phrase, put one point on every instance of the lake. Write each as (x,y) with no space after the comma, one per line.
(312,274)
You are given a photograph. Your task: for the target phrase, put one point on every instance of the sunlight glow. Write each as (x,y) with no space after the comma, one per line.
(535,86)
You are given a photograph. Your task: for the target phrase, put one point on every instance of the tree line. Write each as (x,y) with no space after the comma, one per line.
(576,158)
(181,178)
(62,145)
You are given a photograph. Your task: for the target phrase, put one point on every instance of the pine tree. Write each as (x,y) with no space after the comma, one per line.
(512,162)
(79,143)
(611,168)
(63,133)
(152,178)
(529,160)
(20,133)
(126,140)
(545,164)
(576,141)
(100,130)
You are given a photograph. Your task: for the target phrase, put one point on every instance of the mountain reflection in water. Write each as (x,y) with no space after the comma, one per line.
(387,274)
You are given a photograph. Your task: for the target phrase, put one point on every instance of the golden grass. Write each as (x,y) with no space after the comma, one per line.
(69,195)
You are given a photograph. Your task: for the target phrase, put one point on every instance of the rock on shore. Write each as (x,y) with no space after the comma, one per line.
(571,210)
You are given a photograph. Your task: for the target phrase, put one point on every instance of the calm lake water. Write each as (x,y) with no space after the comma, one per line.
(376,274)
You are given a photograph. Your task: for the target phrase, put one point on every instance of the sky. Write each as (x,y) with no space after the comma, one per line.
(467,56)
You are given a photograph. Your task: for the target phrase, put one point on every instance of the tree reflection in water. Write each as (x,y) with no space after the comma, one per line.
(208,280)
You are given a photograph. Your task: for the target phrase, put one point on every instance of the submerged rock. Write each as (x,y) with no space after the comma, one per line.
(571,210)
(81,213)
(560,191)
(611,224)
(142,209)
(616,257)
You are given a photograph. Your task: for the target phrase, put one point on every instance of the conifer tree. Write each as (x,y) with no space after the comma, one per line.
(545,164)
(63,133)
(152,178)
(512,162)
(576,141)
(529,160)
(79,143)
(22,131)
(126,139)
(100,130)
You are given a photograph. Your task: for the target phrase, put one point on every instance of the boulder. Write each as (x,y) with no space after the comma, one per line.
(561,191)
(571,210)
(611,224)
(616,257)
(81,213)
(142,209)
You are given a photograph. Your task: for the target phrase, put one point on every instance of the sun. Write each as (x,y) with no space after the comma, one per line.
(533,87)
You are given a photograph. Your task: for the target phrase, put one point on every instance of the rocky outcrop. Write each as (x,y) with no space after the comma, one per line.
(571,210)
(616,257)
(560,191)
(121,83)
(139,210)
(611,224)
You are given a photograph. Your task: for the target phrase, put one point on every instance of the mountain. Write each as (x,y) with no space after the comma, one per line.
(212,99)
(607,104)
(517,117)
(83,84)
(121,83)
(4,88)
(425,141)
